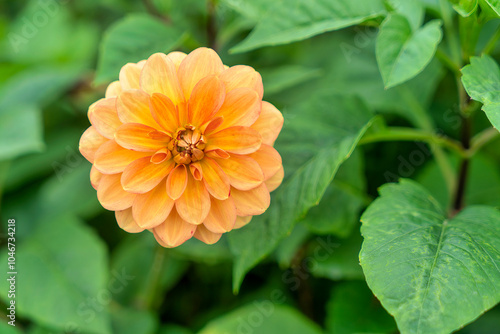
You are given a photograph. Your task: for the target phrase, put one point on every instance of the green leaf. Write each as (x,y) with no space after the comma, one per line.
(133,39)
(432,273)
(8,329)
(495,5)
(130,321)
(403,53)
(481,80)
(352,308)
(413,10)
(262,317)
(62,268)
(464,7)
(174,329)
(281,78)
(320,135)
(295,20)
(288,247)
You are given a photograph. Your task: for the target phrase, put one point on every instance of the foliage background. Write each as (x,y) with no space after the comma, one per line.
(79,273)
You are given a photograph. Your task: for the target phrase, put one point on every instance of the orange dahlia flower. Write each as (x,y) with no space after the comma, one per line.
(183,146)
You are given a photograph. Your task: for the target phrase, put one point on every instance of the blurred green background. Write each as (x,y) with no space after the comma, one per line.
(79,273)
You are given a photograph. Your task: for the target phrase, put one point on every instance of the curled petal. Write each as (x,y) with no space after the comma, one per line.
(90,142)
(244,172)
(177,182)
(114,89)
(111,158)
(95,177)
(214,178)
(199,64)
(251,202)
(194,204)
(127,222)
(207,236)
(152,208)
(177,57)
(242,76)
(102,114)
(269,123)
(159,75)
(111,195)
(206,99)
(164,112)
(269,160)
(174,231)
(236,139)
(139,137)
(274,181)
(242,221)
(142,175)
(216,152)
(133,107)
(222,216)
(241,107)
(129,76)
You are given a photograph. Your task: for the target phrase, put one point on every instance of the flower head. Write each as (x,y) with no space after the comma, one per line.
(183,146)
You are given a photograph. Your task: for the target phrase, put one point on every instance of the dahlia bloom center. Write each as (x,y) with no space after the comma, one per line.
(187,145)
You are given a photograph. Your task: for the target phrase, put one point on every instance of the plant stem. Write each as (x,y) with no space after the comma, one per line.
(448,62)
(481,139)
(151,8)
(464,166)
(492,42)
(453,39)
(151,289)
(212,25)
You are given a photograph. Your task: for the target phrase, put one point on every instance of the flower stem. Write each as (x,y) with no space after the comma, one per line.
(481,139)
(148,302)
(212,25)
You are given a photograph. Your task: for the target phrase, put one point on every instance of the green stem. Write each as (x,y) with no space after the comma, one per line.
(148,300)
(448,62)
(492,42)
(481,139)
(453,39)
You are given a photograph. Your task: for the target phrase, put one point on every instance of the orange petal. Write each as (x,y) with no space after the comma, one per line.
(152,208)
(177,57)
(142,175)
(159,76)
(111,195)
(269,123)
(177,182)
(244,172)
(139,137)
(221,217)
(111,158)
(206,99)
(211,125)
(90,142)
(214,178)
(127,222)
(208,237)
(241,107)
(95,177)
(114,89)
(216,152)
(196,171)
(200,63)
(133,107)
(242,76)
(164,112)
(269,160)
(236,139)
(174,231)
(194,204)
(251,202)
(129,76)
(242,221)
(274,181)
(102,114)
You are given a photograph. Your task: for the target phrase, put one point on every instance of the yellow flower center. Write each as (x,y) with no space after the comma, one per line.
(187,145)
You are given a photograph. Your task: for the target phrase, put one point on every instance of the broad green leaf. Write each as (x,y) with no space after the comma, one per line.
(403,53)
(8,329)
(464,7)
(432,273)
(487,324)
(288,247)
(413,10)
(252,10)
(495,5)
(62,269)
(481,80)
(352,308)
(133,39)
(295,20)
(281,78)
(174,329)
(318,137)
(262,317)
(130,321)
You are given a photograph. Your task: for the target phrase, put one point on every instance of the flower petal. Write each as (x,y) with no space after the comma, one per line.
(129,76)
(242,221)
(140,137)
(236,139)
(133,107)
(102,114)
(114,89)
(269,123)
(152,208)
(127,222)
(241,107)
(221,217)
(174,231)
(95,177)
(194,204)
(274,181)
(242,76)
(251,202)
(244,172)
(111,158)
(90,142)
(164,112)
(177,57)
(200,63)
(142,175)
(111,195)
(206,99)
(214,178)
(177,182)
(269,160)
(208,237)
(159,75)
